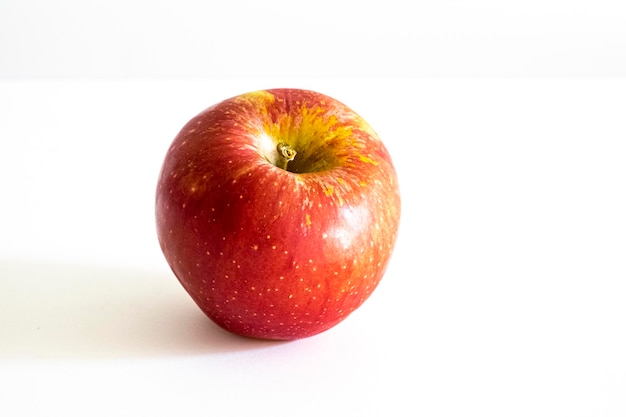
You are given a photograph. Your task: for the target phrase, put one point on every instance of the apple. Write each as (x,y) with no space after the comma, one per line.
(278,210)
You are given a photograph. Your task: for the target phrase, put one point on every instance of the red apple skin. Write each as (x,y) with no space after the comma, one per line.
(265,252)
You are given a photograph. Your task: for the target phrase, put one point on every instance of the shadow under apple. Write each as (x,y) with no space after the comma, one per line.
(50,310)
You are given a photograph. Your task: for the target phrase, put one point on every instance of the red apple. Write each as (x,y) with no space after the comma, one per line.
(278,211)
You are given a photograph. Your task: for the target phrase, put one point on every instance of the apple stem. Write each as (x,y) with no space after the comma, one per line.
(287,154)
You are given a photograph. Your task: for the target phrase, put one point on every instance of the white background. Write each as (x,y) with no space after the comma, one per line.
(506,123)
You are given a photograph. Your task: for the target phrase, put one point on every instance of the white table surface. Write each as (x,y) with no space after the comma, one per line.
(505,295)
